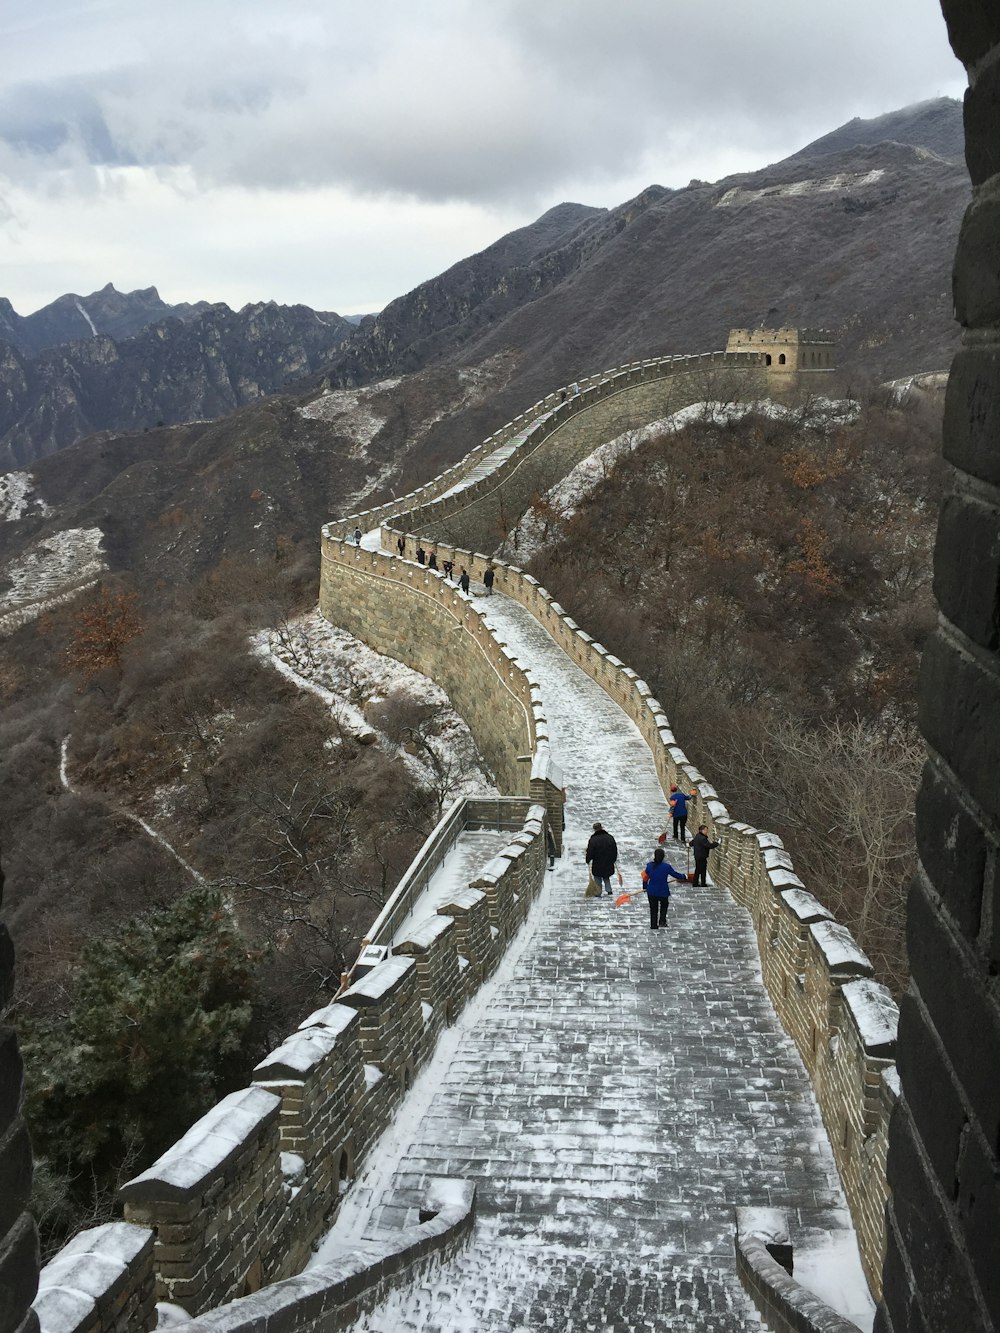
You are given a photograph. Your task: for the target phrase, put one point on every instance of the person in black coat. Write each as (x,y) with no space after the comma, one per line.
(701,847)
(463,580)
(432,560)
(488,581)
(421,555)
(602,855)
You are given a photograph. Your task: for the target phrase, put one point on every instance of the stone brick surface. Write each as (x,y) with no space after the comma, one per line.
(976,277)
(959,1005)
(939,1115)
(953,850)
(973,27)
(982,123)
(972,413)
(960,717)
(967,566)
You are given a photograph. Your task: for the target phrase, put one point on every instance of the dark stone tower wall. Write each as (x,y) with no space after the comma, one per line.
(942,1269)
(18,1238)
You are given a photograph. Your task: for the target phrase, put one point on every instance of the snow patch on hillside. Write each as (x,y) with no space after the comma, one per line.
(52,571)
(17,497)
(350,411)
(93,326)
(844,180)
(348,676)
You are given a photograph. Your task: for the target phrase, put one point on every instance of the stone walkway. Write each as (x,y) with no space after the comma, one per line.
(614,1092)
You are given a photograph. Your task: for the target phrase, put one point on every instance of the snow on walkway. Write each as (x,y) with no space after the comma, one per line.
(616,1093)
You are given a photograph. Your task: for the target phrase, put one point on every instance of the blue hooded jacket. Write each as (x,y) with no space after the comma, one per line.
(658,877)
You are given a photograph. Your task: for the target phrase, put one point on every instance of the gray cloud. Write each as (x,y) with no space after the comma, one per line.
(447,101)
(340,151)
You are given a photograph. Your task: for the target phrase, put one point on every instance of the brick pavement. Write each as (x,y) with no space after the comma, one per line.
(617,1092)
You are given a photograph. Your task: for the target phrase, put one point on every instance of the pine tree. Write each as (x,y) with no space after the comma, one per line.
(157,1033)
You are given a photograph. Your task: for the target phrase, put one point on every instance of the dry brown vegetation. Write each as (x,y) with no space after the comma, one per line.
(772,584)
(167,715)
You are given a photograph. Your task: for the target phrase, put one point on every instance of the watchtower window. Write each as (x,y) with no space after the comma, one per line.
(781,359)
(767,358)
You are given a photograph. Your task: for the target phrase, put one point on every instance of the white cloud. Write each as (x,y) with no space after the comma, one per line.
(379,132)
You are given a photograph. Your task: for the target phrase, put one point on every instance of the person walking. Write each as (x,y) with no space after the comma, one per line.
(656,881)
(357,536)
(432,560)
(488,580)
(463,580)
(401,545)
(678,802)
(602,856)
(701,847)
(421,555)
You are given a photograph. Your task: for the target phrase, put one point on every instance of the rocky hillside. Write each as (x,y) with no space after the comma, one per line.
(203,366)
(935,125)
(859,240)
(854,233)
(70,317)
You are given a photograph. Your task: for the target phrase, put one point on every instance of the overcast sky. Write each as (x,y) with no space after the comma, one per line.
(338,152)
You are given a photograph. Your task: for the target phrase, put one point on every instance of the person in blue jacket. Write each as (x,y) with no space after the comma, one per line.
(656,878)
(678,802)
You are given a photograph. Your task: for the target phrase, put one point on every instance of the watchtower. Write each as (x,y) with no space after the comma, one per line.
(796,359)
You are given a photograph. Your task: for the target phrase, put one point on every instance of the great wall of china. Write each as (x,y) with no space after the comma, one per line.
(940,1273)
(223,1223)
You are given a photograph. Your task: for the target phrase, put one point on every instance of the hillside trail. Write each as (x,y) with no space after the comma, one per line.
(615,1092)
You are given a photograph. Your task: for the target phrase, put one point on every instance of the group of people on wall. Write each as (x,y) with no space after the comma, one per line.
(602,858)
(447,567)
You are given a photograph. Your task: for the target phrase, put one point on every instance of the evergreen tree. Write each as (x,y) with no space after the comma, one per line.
(158,1031)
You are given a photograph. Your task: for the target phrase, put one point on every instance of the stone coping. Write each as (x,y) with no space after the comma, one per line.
(205,1150)
(423,936)
(785,1306)
(875,1015)
(87,1271)
(333,1295)
(335,1016)
(838,947)
(298,1056)
(805,906)
(378,984)
(462,901)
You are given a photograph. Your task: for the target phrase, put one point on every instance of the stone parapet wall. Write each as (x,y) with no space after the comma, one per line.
(941,1270)
(523,434)
(416,616)
(216,1203)
(765,1263)
(333,1296)
(236,1205)
(480,513)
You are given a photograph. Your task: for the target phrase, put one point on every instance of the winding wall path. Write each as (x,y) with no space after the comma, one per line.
(622,1091)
